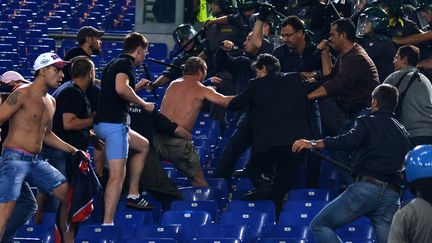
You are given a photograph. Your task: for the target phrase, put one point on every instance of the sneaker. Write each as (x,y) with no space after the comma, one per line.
(138,203)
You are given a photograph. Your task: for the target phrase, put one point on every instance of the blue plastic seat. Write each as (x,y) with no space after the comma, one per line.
(12,56)
(216,240)
(304,206)
(55,23)
(286,232)
(283,240)
(206,206)
(204,193)
(98,233)
(195,218)
(295,218)
(158,231)
(218,231)
(128,221)
(35,232)
(156,211)
(357,241)
(11,40)
(255,221)
(264,206)
(152,240)
(310,194)
(356,232)
(42,42)
(240,187)
(189,220)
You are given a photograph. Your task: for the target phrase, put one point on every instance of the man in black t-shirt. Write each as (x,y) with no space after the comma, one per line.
(111,125)
(89,40)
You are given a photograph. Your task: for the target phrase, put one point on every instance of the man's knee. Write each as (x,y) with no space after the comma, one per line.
(61,191)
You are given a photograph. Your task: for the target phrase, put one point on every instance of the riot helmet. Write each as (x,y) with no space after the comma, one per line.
(372,20)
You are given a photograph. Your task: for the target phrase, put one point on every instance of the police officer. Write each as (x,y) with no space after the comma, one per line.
(372,27)
(315,18)
(412,223)
(182,35)
(246,8)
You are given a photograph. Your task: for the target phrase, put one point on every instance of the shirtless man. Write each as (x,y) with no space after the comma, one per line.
(30,111)
(181,104)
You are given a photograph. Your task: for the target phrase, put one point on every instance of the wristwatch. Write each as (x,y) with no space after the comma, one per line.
(313,143)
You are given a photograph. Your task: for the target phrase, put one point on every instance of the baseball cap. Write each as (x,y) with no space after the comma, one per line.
(11,76)
(48,59)
(88,31)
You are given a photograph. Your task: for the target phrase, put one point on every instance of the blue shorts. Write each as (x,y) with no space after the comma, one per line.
(17,166)
(115,137)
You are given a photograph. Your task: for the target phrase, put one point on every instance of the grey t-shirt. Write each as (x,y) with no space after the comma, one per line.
(416,113)
(412,223)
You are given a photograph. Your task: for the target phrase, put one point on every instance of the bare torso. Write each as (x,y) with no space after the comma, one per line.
(28,125)
(182,102)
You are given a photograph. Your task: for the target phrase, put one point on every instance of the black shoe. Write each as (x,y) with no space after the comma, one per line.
(138,203)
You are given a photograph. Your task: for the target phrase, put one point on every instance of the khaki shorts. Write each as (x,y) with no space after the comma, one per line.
(180,151)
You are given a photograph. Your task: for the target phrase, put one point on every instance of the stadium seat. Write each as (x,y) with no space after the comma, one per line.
(196,218)
(189,220)
(41,41)
(35,232)
(276,240)
(218,231)
(216,240)
(309,194)
(158,231)
(156,211)
(313,206)
(295,218)
(356,232)
(152,240)
(206,206)
(357,241)
(128,221)
(286,232)
(255,221)
(97,234)
(11,40)
(204,193)
(26,240)
(264,206)
(406,196)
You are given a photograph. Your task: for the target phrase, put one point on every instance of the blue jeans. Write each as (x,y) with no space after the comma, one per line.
(17,166)
(25,208)
(376,202)
(59,160)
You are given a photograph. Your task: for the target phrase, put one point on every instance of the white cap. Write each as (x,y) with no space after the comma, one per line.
(11,76)
(48,59)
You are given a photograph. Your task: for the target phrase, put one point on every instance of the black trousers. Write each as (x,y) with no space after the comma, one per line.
(284,164)
(240,140)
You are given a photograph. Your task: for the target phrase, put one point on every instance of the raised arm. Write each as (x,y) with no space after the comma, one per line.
(126,92)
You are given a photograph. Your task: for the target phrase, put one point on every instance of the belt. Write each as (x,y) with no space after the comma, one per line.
(375,181)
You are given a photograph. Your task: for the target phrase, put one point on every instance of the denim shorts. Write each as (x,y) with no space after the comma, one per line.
(17,166)
(115,137)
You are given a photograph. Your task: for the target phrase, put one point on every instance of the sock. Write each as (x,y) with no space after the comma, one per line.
(133,196)
(108,224)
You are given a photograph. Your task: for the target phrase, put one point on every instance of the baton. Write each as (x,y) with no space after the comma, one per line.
(147,75)
(164,63)
(332,161)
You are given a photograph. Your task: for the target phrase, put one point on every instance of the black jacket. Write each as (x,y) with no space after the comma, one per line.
(278,109)
(378,143)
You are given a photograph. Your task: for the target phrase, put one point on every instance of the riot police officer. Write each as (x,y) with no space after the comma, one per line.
(182,35)
(372,26)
